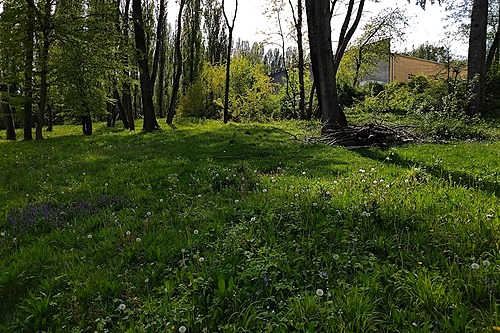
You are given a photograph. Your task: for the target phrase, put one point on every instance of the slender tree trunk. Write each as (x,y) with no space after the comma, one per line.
(50,118)
(160,31)
(28,71)
(43,88)
(300,49)
(228,76)
(477,55)
(127,91)
(230,27)
(150,123)
(298,21)
(494,45)
(161,82)
(7,113)
(178,71)
(318,18)
(121,109)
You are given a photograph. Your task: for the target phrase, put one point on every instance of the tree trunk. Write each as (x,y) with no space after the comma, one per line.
(28,71)
(160,30)
(228,64)
(127,92)
(50,119)
(318,19)
(494,45)
(477,55)
(228,75)
(121,109)
(7,113)
(178,71)
(300,49)
(150,123)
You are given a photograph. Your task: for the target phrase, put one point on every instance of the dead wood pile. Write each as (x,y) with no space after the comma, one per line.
(368,135)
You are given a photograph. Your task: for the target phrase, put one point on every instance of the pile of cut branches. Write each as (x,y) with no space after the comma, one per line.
(368,135)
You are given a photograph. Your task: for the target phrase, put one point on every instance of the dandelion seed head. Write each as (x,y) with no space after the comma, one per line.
(335,256)
(486,263)
(128,233)
(122,307)
(264,190)
(182,329)
(253,219)
(320,292)
(138,239)
(89,236)
(196,231)
(201,259)
(474,265)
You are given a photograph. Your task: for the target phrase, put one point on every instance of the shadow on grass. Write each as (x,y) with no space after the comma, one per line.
(456,177)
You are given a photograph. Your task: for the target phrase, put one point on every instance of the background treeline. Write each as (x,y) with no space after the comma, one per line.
(86,60)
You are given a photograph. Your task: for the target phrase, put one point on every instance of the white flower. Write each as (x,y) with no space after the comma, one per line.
(372,169)
(474,266)
(362,170)
(236,201)
(253,219)
(327,193)
(106,184)
(128,233)
(303,173)
(320,292)
(335,182)
(89,236)
(201,259)
(365,214)
(138,239)
(336,256)
(196,231)
(315,204)
(148,214)
(296,195)
(264,190)
(2,234)
(161,200)
(182,329)
(122,307)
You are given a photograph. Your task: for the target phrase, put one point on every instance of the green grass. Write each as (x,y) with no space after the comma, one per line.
(236,228)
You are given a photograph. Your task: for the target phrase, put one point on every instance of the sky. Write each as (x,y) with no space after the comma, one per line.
(424,26)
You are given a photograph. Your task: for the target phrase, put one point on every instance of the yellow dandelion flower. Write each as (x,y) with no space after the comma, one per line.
(496,328)
(420,263)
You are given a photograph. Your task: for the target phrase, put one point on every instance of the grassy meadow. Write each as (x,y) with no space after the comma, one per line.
(238,228)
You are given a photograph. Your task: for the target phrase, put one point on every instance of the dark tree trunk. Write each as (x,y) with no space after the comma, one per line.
(300,48)
(127,92)
(44,56)
(178,71)
(28,72)
(494,46)
(161,82)
(228,75)
(50,119)
(121,109)
(160,30)
(230,27)
(477,55)
(318,19)
(298,20)
(7,113)
(87,124)
(150,123)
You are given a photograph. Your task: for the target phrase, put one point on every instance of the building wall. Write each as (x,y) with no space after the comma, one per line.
(403,68)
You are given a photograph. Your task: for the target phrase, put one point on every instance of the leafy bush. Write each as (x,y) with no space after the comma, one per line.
(252,96)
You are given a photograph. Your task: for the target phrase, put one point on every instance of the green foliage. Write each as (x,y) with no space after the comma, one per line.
(252,96)
(436,106)
(236,228)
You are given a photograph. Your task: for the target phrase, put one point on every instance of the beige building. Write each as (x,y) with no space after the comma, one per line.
(401,68)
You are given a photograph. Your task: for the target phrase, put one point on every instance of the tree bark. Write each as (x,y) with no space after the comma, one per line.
(298,21)
(494,46)
(7,113)
(127,91)
(324,71)
(477,55)
(28,71)
(178,71)
(228,63)
(150,123)
(160,31)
